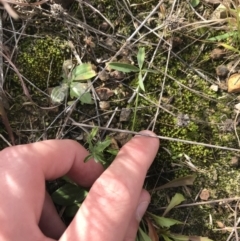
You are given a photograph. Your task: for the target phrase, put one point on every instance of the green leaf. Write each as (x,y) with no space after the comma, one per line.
(113,151)
(93,133)
(229,47)
(83,72)
(141,57)
(86,98)
(176,200)
(98,157)
(142,235)
(102,145)
(194,3)
(150,71)
(68,194)
(77,89)
(166,238)
(179,237)
(140,81)
(71,211)
(178,182)
(59,93)
(223,36)
(125,68)
(81,91)
(164,222)
(87,158)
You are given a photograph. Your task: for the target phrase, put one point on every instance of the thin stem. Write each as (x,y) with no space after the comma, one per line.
(135,109)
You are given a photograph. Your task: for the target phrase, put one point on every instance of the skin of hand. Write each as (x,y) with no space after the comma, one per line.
(112,210)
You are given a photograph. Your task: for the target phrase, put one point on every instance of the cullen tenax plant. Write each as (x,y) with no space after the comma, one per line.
(72,82)
(127,68)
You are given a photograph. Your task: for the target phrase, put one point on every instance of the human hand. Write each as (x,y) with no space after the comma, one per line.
(111,211)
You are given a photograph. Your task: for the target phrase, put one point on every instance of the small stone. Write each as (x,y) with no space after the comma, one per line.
(125,52)
(222,71)
(122,138)
(109,42)
(104,26)
(214,88)
(183,119)
(104,105)
(234,161)
(234,83)
(204,195)
(237,106)
(114,145)
(117,75)
(217,54)
(103,75)
(104,93)
(220,224)
(125,114)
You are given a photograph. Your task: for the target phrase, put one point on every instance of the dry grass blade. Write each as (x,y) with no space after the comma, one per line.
(179,182)
(160,137)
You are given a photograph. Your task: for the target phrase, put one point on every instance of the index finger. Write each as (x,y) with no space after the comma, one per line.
(56,158)
(108,208)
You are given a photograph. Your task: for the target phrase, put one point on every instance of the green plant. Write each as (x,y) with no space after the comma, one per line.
(97,150)
(127,68)
(233,16)
(159,226)
(71,77)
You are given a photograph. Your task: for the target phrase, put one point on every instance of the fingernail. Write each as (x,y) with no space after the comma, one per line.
(141,209)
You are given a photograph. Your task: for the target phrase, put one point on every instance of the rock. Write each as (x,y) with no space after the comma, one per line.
(204,194)
(117,75)
(104,105)
(217,54)
(104,93)
(122,138)
(214,88)
(183,119)
(222,71)
(234,161)
(104,26)
(125,114)
(233,83)
(103,75)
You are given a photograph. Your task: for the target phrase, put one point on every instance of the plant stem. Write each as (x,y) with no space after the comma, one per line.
(135,109)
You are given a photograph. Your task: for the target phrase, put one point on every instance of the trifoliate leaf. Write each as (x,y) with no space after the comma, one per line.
(59,93)
(83,72)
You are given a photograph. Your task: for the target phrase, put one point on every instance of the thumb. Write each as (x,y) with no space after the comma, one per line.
(143,203)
